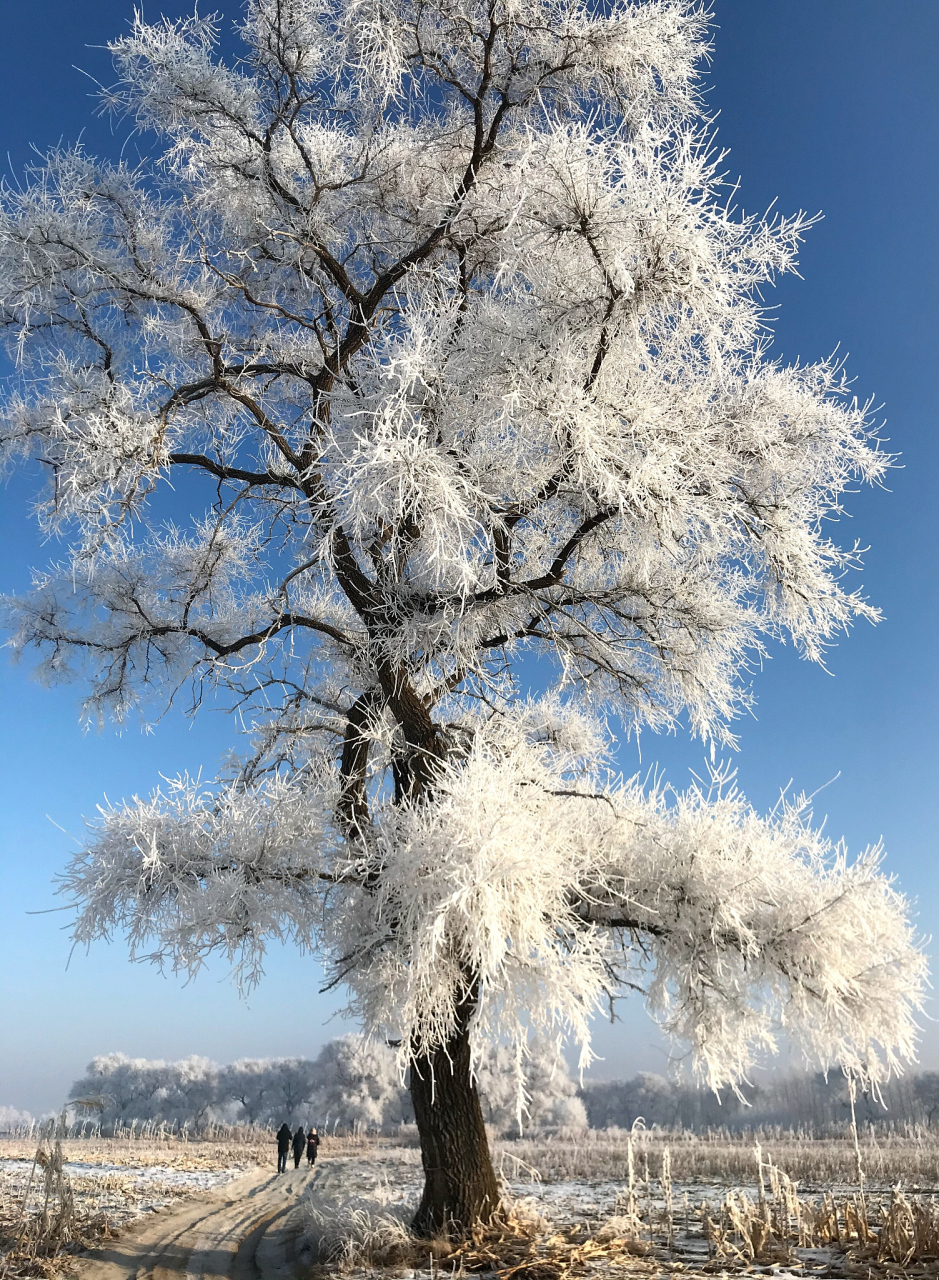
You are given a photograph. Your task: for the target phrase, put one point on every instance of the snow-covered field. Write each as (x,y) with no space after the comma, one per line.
(113,1182)
(685,1222)
(116,1180)
(118,1191)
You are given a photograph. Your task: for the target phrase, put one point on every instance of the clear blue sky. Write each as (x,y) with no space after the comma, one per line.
(824,104)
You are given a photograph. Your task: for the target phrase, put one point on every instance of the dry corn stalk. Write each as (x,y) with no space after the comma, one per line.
(629,1207)
(43,1230)
(667,1193)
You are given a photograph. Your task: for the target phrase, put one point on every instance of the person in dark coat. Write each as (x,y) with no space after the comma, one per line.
(312,1146)
(283,1147)
(299,1142)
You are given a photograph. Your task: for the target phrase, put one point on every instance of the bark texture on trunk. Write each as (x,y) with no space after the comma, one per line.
(460,1186)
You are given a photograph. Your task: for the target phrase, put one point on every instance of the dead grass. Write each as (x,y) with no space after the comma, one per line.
(174,1151)
(768,1220)
(517,1249)
(756,1209)
(358,1231)
(898,1237)
(43,1223)
(519,1245)
(137,1153)
(870,1235)
(48,1211)
(602,1156)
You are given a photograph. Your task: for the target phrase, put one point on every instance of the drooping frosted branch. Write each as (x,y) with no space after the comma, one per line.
(195,870)
(542,892)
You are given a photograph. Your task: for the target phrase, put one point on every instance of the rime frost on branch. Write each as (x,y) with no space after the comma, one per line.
(541,891)
(430,340)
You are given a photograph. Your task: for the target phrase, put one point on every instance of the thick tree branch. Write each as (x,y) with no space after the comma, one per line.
(225,472)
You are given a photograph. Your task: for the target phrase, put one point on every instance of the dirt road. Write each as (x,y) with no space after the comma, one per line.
(244,1230)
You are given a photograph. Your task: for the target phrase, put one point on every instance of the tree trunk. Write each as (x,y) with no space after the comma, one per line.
(460,1186)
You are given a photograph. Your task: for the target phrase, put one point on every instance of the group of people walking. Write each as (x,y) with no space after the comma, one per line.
(299,1141)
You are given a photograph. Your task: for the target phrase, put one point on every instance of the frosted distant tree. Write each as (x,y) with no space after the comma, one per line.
(271,1090)
(248,1083)
(119,1089)
(926,1088)
(292,1085)
(357,1083)
(552,1093)
(12,1119)
(428,344)
(192,1091)
(618,1104)
(535,1091)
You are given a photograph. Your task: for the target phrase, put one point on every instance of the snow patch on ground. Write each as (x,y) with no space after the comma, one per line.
(194,1179)
(118,1192)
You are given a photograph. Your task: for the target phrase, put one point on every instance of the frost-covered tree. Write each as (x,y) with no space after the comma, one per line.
(291,1088)
(618,1104)
(248,1084)
(357,1084)
(192,1091)
(118,1089)
(926,1088)
(354,1082)
(269,1090)
(531,1088)
(811,1103)
(426,345)
(12,1119)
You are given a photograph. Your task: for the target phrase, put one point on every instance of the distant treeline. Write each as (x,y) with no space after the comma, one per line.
(354,1084)
(810,1103)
